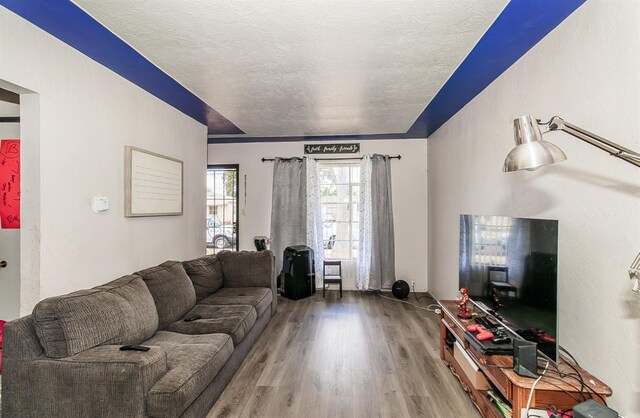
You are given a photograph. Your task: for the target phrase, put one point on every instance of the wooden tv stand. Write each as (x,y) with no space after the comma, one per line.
(515,389)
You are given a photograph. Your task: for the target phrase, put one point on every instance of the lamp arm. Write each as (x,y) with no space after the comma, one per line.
(615,150)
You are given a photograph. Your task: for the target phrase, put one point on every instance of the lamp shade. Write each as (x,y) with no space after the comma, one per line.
(531,150)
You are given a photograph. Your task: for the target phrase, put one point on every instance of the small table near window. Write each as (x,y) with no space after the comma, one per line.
(329,276)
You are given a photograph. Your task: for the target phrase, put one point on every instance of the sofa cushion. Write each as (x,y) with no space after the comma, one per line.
(258,297)
(193,361)
(205,274)
(235,320)
(119,312)
(171,289)
(247,268)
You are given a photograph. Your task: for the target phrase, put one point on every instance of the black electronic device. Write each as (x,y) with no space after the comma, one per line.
(501,338)
(500,334)
(299,272)
(134,348)
(260,242)
(486,323)
(488,347)
(192,318)
(593,409)
(400,289)
(525,358)
(509,265)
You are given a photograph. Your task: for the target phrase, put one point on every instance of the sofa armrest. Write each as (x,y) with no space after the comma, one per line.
(100,382)
(249,269)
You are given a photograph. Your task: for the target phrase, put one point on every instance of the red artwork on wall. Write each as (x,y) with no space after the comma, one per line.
(10,183)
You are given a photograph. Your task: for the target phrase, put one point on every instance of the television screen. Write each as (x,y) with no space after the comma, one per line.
(510,265)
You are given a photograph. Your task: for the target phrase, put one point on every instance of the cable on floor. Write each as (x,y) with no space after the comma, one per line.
(433,308)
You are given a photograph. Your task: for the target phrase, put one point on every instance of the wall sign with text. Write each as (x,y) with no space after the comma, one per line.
(332,148)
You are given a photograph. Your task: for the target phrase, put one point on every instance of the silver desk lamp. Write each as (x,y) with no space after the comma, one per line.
(532,152)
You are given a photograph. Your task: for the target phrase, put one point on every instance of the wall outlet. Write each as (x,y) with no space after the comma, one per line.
(413,284)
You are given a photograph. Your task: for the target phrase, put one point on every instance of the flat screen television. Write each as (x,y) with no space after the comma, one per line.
(510,267)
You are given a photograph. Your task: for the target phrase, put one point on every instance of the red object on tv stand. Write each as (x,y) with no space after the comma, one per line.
(1,328)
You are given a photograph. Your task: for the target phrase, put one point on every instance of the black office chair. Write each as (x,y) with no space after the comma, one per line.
(331,278)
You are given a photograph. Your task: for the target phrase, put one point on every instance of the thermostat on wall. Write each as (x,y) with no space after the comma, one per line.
(100,204)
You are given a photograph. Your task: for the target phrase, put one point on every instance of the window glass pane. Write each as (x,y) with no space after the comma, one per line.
(339,193)
(328,192)
(342,230)
(339,251)
(355,174)
(342,174)
(341,212)
(355,192)
(339,200)
(326,175)
(328,230)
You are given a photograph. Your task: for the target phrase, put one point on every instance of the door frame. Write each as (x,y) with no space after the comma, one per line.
(237,217)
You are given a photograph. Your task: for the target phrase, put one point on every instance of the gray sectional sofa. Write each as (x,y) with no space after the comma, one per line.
(64,360)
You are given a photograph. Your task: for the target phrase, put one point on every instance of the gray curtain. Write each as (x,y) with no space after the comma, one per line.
(518,246)
(288,206)
(383,262)
(466,249)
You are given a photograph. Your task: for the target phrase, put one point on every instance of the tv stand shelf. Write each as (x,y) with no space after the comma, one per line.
(497,375)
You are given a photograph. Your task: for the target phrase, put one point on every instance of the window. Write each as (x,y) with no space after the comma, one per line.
(340,196)
(222,208)
(490,240)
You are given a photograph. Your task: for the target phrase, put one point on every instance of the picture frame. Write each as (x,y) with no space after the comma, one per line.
(154,184)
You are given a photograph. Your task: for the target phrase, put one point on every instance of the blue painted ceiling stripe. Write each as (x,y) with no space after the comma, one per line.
(521,25)
(70,24)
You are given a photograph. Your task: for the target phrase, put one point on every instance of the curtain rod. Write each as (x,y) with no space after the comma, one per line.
(329,159)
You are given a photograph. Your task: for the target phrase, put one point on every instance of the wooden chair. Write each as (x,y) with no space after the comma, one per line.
(500,285)
(331,278)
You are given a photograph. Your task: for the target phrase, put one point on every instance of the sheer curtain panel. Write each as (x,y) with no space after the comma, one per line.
(364,254)
(315,239)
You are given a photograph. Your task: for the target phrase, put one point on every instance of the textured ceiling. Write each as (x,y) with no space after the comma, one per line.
(305,67)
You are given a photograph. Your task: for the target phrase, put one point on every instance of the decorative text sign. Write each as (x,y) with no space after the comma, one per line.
(332,148)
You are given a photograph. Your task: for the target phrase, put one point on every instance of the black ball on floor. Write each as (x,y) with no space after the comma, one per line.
(400,289)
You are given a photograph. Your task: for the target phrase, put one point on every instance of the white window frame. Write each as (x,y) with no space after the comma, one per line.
(352,201)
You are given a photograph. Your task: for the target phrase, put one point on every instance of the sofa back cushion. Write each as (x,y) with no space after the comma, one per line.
(119,312)
(205,274)
(171,289)
(246,268)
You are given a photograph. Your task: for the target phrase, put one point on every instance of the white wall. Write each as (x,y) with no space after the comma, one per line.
(408,188)
(10,238)
(87,114)
(587,71)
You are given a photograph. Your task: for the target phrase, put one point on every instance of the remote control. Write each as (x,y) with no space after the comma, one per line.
(501,339)
(192,318)
(134,348)
(486,323)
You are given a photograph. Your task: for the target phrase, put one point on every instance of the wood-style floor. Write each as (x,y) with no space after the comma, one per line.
(359,356)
